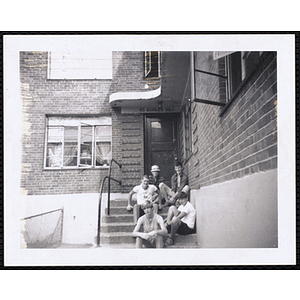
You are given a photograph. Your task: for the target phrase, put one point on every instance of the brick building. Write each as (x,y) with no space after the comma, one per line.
(215,112)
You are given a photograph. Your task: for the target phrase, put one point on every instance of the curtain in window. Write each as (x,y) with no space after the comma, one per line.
(70,155)
(103,153)
(70,145)
(55,156)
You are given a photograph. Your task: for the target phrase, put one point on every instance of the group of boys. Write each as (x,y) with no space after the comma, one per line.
(153,194)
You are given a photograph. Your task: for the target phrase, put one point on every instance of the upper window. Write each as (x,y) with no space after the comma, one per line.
(80,65)
(239,66)
(152,64)
(78,142)
(219,77)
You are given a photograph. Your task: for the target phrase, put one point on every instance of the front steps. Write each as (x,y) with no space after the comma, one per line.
(116,228)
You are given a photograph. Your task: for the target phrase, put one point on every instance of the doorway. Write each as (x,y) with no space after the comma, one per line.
(161,144)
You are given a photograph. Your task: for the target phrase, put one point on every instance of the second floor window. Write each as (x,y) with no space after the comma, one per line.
(78,142)
(152,64)
(239,66)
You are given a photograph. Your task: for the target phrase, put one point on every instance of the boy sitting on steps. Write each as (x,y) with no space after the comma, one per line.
(180,220)
(153,229)
(144,191)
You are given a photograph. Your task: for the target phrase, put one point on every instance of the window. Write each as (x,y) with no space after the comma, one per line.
(239,66)
(152,64)
(219,77)
(78,142)
(80,65)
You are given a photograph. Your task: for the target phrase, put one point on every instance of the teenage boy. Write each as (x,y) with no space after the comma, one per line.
(153,228)
(156,180)
(180,220)
(179,182)
(144,191)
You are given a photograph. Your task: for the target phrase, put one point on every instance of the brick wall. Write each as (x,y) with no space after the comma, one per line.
(129,149)
(77,97)
(243,140)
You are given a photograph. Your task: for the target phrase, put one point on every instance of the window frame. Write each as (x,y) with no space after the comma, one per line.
(80,123)
(148,57)
(195,70)
(244,72)
(244,76)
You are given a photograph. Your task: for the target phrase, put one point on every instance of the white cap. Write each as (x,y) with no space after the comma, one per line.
(155,168)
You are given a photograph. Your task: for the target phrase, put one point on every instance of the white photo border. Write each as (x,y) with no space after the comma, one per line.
(285,254)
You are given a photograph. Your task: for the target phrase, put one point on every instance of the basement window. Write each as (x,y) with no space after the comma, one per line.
(152,64)
(78,142)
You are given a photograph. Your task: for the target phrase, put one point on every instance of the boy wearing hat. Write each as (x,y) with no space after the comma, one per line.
(156,180)
(180,220)
(144,191)
(153,228)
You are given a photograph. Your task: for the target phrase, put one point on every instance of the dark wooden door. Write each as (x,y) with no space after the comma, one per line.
(161,144)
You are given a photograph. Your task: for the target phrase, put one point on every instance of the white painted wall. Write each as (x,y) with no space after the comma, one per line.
(80,213)
(241,213)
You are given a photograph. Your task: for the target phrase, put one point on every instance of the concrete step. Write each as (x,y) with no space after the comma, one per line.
(118,203)
(75,246)
(118,246)
(117,218)
(123,211)
(118,211)
(185,241)
(122,218)
(117,227)
(122,203)
(181,241)
(116,238)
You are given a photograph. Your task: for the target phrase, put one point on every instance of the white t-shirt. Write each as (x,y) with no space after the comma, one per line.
(190,216)
(143,195)
(156,223)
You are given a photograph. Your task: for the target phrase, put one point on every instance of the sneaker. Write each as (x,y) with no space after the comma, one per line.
(169,242)
(129,208)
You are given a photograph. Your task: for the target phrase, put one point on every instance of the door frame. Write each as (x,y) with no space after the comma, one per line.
(176,116)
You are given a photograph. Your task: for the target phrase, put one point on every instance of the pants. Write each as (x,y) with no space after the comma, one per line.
(180,228)
(167,193)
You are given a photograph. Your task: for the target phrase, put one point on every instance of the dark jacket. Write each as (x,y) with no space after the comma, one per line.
(156,182)
(183,182)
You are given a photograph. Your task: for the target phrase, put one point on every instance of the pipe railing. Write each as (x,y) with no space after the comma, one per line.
(108,197)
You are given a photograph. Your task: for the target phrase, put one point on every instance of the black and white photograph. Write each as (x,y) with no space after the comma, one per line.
(124,150)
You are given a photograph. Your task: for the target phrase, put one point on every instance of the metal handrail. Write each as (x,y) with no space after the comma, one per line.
(108,199)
